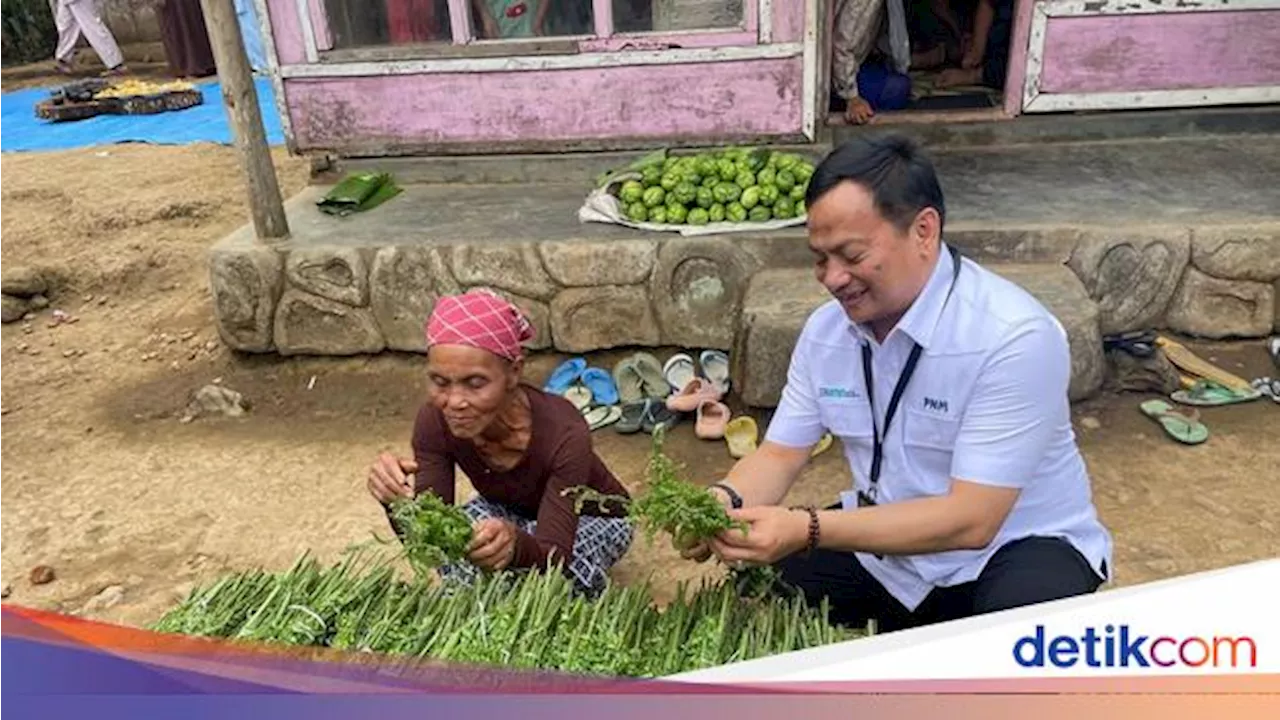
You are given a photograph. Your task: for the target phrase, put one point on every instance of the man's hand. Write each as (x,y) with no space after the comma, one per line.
(774,533)
(859,111)
(493,544)
(388,478)
(699,550)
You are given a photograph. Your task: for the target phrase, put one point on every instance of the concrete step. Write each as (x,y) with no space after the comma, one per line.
(777,303)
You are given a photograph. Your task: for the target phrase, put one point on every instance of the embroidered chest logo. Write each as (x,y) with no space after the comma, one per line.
(935,405)
(837,392)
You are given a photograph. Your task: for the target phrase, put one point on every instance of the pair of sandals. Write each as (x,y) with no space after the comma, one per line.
(1184,425)
(590,389)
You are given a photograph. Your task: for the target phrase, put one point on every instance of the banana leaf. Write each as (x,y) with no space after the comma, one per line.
(359,192)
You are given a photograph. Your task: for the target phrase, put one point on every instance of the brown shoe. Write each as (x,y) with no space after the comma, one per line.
(116,71)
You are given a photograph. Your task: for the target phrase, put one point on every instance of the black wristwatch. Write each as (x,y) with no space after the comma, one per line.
(734,498)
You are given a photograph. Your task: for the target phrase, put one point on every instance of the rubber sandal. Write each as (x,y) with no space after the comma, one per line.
(650,371)
(711,421)
(659,417)
(1181,425)
(1192,364)
(602,416)
(579,396)
(1273,349)
(632,416)
(715,367)
(601,384)
(628,381)
(1204,392)
(692,396)
(822,445)
(1269,387)
(566,374)
(742,435)
(679,372)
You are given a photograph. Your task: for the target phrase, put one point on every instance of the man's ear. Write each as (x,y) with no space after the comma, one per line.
(926,231)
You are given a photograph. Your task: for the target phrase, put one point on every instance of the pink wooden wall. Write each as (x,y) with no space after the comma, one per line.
(739,98)
(750,97)
(1170,51)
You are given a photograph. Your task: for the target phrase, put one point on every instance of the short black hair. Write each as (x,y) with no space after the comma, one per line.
(892,168)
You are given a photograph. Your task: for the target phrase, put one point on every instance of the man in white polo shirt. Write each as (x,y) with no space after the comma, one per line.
(947,386)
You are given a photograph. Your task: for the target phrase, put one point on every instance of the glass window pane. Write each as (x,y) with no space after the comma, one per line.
(669,15)
(361,23)
(517,19)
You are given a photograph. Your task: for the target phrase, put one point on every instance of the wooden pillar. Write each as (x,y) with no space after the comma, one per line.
(240,98)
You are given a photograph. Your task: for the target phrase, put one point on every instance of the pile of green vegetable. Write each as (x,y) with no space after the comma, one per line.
(731,185)
(530,620)
(523,619)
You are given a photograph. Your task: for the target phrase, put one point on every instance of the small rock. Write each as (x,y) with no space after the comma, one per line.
(102,301)
(42,575)
(4,411)
(215,399)
(39,302)
(175,365)
(187,334)
(88,298)
(1090,423)
(6,592)
(211,345)
(23,282)
(193,354)
(27,329)
(23,347)
(14,309)
(69,353)
(109,597)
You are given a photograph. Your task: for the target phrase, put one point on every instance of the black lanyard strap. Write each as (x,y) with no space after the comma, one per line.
(877,447)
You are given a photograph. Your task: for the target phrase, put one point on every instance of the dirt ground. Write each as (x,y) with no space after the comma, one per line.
(104,484)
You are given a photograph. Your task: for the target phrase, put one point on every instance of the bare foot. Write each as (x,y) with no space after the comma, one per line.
(954,77)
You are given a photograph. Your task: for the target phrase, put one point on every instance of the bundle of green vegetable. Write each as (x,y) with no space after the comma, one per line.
(433,533)
(530,620)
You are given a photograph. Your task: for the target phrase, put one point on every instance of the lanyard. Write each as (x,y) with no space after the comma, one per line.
(877,448)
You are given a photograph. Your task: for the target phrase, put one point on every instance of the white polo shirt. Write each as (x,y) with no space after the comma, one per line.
(987,404)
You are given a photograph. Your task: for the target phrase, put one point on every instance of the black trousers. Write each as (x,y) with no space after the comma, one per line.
(1023,572)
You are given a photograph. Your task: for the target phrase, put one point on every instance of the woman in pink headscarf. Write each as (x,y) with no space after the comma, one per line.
(520,447)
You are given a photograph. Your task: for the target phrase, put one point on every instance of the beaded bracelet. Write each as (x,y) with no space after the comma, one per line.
(814,530)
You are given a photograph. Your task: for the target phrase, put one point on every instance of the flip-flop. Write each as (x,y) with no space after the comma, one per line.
(1270,387)
(628,381)
(712,419)
(1187,361)
(632,416)
(742,435)
(1181,425)
(1273,349)
(602,416)
(696,392)
(566,374)
(715,367)
(603,389)
(659,417)
(580,397)
(1205,392)
(650,371)
(679,371)
(822,445)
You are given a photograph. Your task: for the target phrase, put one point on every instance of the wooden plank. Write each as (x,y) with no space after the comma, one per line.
(241,101)
(1059,102)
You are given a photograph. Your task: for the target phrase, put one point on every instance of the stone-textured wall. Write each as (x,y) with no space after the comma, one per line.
(1217,282)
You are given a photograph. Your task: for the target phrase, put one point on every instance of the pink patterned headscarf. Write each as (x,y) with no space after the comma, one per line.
(481,319)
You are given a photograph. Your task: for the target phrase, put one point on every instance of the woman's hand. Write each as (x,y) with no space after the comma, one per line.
(493,544)
(692,548)
(774,533)
(388,478)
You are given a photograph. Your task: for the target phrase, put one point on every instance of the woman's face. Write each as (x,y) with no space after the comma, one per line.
(470,386)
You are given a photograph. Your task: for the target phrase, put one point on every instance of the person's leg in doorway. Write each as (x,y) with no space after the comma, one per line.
(992,33)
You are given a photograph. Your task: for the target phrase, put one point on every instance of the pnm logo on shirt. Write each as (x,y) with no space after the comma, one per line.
(836,392)
(937,405)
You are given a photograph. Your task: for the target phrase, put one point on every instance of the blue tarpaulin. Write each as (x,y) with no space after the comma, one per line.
(20,129)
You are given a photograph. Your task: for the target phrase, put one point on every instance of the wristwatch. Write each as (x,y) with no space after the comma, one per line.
(734,498)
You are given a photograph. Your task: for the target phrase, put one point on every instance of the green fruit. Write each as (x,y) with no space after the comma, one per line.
(784,208)
(767,176)
(721,192)
(705,198)
(658,215)
(670,180)
(728,171)
(803,171)
(693,178)
(651,176)
(797,192)
(787,161)
(632,191)
(785,181)
(732,191)
(716,213)
(759,213)
(742,167)
(750,197)
(707,165)
(745,179)
(654,197)
(772,163)
(734,212)
(638,212)
(698,216)
(769,195)
(801,208)
(676,213)
(685,193)
(711,181)
(669,163)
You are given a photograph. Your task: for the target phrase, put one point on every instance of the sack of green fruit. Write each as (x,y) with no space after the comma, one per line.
(703,192)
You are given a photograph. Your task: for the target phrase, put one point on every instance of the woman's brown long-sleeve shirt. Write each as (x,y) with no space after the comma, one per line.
(559,456)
